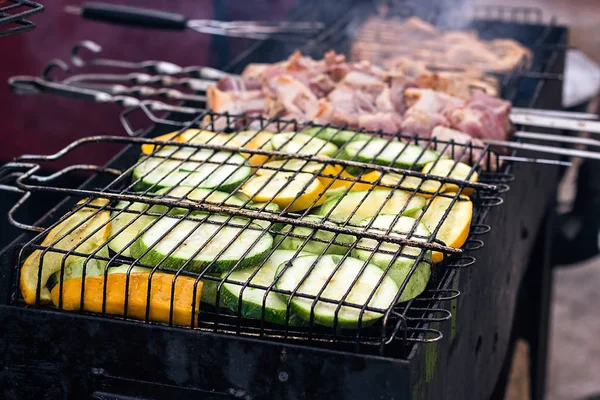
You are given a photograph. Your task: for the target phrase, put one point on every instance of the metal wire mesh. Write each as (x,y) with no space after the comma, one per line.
(371,328)
(14,14)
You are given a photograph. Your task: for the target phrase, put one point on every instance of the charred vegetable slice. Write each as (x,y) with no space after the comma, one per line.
(70,235)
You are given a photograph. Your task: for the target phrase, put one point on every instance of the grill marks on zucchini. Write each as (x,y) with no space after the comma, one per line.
(186,166)
(218,242)
(333,278)
(389,153)
(355,206)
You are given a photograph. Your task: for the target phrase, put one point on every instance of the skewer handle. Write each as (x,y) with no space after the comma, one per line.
(130,16)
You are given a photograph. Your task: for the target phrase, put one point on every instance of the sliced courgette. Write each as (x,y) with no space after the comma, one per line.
(338,136)
(389,153)
(224,171)
(209,237)
(313,246)
(298,143)
(346,208)
(192,195)
(312,274)
(253,300)
(403,262)
(131,223)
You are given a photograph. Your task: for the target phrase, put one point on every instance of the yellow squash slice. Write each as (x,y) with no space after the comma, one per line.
(286,190)
(149,148)
(442,168)
(455,228)
(90,220)
(137,296)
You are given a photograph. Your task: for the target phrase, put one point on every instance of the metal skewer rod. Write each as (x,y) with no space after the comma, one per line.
(531,160)
(557,138)
(553,113)
(556,123)
(546,149)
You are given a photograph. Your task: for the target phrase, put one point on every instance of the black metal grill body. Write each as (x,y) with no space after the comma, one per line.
(71,356)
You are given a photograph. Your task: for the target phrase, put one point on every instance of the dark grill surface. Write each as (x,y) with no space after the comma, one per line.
(14,16)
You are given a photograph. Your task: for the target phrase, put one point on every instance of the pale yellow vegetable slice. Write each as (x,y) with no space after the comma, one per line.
(90,220)
(455,228)
(285,190)
(451,169)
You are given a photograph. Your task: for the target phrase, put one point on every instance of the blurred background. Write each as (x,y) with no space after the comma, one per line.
(33,124)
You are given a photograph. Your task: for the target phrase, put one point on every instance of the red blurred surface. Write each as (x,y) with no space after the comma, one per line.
(43,124)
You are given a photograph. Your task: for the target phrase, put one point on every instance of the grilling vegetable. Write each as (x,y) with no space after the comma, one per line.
(313,245)
(192,196)
(275,308)
(299,143)
(131,223)
(452,169)
(198,136)
(175,136)
(326,173)
(338,136)
(385,253)
(75,269)
(255,140)
(271,208)
(209,237)
(296,192)
(185,291)
(205,169)
(455,228)
(312,274)
(69,235)
(390,153)
(347,207)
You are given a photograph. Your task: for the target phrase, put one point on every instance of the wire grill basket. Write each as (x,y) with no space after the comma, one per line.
(118,192)
(14,14)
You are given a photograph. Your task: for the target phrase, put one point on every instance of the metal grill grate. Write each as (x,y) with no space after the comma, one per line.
(399,324)
(14,14)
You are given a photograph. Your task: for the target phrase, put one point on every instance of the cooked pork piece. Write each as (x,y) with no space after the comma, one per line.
(387,122)
(291,97)
(234,102)
(380,38)
(430,101)
(407,98)
(420,123)
(482,117)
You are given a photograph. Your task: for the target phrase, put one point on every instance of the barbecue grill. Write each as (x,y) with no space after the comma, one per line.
(14,14)
(421,349)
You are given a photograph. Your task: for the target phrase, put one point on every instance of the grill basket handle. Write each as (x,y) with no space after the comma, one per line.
(130,16)
(9,173)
